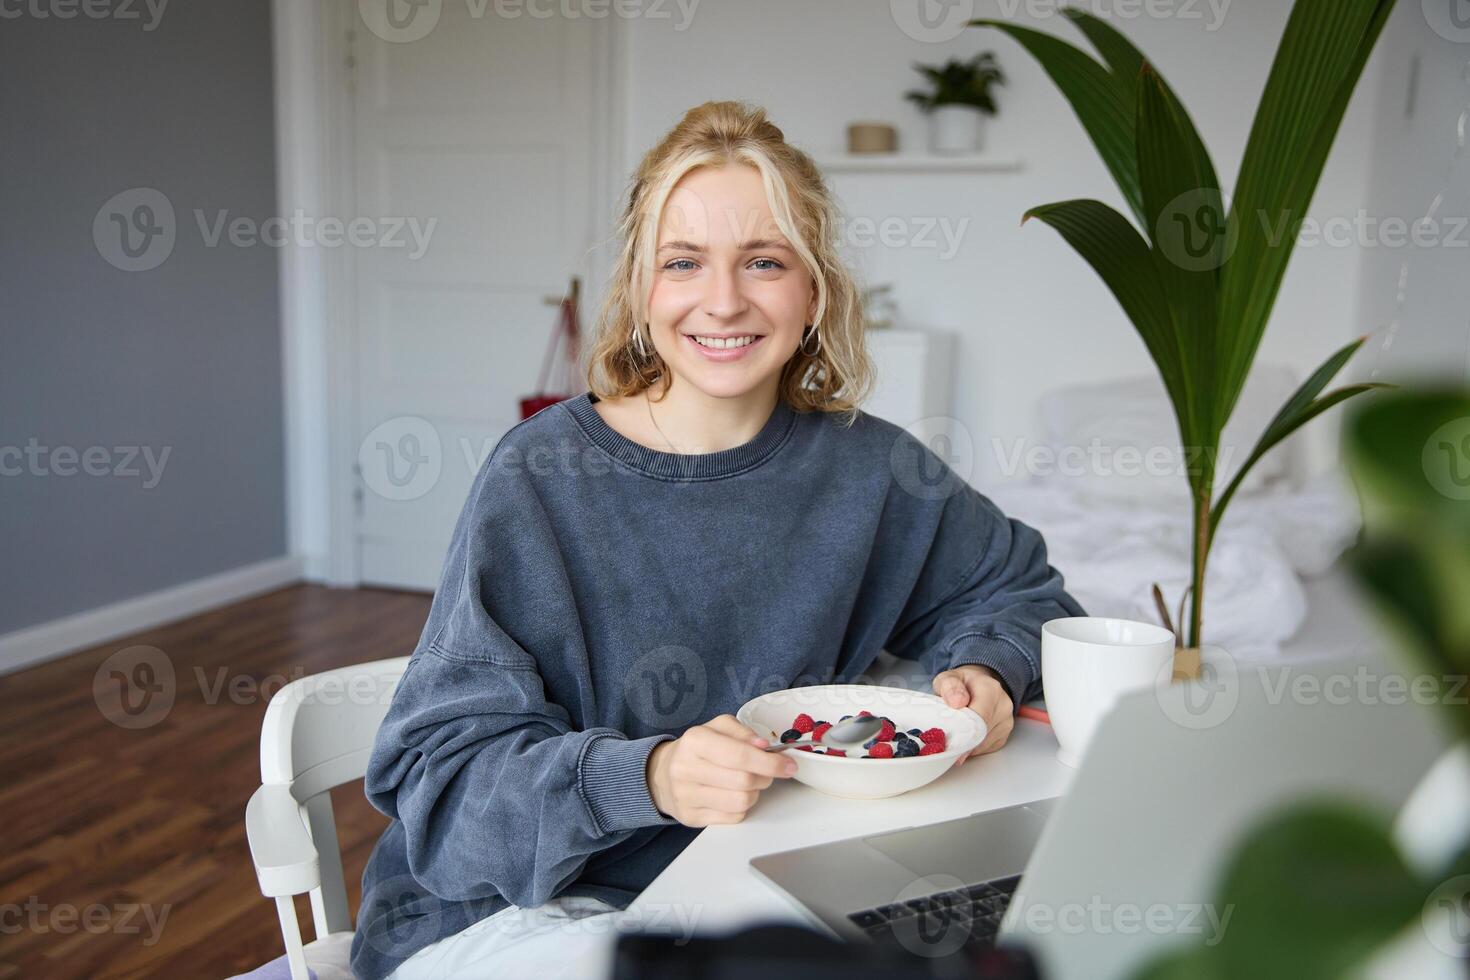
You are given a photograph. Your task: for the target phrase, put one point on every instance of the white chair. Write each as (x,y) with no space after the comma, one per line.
(318,733)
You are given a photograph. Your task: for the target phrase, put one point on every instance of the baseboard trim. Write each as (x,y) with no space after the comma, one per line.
(45,641)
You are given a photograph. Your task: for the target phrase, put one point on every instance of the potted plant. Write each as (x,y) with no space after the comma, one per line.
(1198,274)
(959,95)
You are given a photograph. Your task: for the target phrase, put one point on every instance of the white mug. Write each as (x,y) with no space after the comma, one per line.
(1086,663)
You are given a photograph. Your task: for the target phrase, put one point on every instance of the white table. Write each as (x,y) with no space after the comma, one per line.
(711,888)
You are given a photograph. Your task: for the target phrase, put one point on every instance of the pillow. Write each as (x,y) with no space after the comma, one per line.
(1118,440)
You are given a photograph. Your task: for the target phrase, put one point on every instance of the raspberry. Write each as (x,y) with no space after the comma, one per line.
(804,748)
(836,752)
(881,751)
(820,730)
(931,748)
(886,733)
(865,713)
(790,735)
(803,723)
(933,736)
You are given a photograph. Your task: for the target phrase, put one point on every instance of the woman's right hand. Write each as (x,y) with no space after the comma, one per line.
(713,773)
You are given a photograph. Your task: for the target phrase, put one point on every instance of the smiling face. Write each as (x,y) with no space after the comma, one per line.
(730,299)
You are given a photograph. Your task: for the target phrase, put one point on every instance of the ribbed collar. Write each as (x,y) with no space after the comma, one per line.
(684,466)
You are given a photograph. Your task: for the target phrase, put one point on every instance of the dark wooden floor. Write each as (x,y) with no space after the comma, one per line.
(99,821)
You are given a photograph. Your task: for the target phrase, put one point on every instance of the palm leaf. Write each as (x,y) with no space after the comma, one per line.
(1300,408)
(1321,57)
(1174,169)
(1126,63)
(1102,101)
(1121,257)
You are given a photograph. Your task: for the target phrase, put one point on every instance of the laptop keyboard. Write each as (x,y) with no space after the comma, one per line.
(966,918)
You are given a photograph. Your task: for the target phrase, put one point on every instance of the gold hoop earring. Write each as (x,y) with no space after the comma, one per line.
(812,331)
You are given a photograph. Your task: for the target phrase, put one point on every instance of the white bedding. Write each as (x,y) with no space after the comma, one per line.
(1111,551)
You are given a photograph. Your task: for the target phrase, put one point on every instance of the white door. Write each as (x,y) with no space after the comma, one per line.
(482,134)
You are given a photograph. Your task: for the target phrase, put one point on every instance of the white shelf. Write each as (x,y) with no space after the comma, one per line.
(915,163)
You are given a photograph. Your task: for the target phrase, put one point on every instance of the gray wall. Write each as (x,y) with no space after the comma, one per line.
(184,357)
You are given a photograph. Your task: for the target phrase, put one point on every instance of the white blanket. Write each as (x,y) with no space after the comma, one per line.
(1111,553)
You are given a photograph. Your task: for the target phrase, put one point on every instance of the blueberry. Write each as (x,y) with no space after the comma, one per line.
(905,749)
(818,723)
(844,718)
(870,743)
(916,731)
(790,735)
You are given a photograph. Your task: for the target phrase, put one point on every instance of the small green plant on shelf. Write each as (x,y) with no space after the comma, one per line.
(962,83)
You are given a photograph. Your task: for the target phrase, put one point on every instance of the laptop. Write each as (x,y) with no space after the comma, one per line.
(1099,881)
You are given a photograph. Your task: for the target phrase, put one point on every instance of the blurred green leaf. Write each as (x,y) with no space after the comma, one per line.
(1312,892)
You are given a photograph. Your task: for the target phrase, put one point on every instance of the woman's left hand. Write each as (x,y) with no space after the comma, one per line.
(979,689)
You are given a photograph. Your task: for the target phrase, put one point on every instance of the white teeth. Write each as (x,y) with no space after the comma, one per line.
(722,343)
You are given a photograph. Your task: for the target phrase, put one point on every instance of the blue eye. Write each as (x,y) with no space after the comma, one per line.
(774,264)
(675,262)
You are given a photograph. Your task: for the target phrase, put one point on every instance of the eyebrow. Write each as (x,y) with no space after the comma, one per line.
(750,246)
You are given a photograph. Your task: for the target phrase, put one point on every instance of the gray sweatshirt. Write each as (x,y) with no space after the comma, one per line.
(599,597)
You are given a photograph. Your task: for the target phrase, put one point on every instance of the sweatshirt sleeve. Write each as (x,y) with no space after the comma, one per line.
(982,595)
(497,789)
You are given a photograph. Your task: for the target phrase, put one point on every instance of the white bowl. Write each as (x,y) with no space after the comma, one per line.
(866,779)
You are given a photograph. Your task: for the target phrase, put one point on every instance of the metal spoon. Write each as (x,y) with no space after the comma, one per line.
(843,735)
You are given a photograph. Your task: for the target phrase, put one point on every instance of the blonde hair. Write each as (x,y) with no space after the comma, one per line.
(717,134)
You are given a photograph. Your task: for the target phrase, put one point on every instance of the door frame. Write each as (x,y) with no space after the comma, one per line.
(314,174)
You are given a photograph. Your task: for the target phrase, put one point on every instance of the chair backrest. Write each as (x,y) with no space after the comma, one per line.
(318,733)
(318,730)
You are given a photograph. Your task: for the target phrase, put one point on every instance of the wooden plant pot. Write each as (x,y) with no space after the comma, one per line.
(1186,663)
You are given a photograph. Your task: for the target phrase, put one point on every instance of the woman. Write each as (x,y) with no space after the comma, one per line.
(713,520)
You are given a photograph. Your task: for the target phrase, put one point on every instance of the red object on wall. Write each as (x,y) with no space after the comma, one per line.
(551,390)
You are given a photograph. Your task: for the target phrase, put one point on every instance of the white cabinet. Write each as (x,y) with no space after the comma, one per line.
(915,372)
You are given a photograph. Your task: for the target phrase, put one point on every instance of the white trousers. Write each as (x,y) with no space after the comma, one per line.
(568,938)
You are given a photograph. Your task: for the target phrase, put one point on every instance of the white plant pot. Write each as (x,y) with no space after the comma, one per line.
(954,129)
